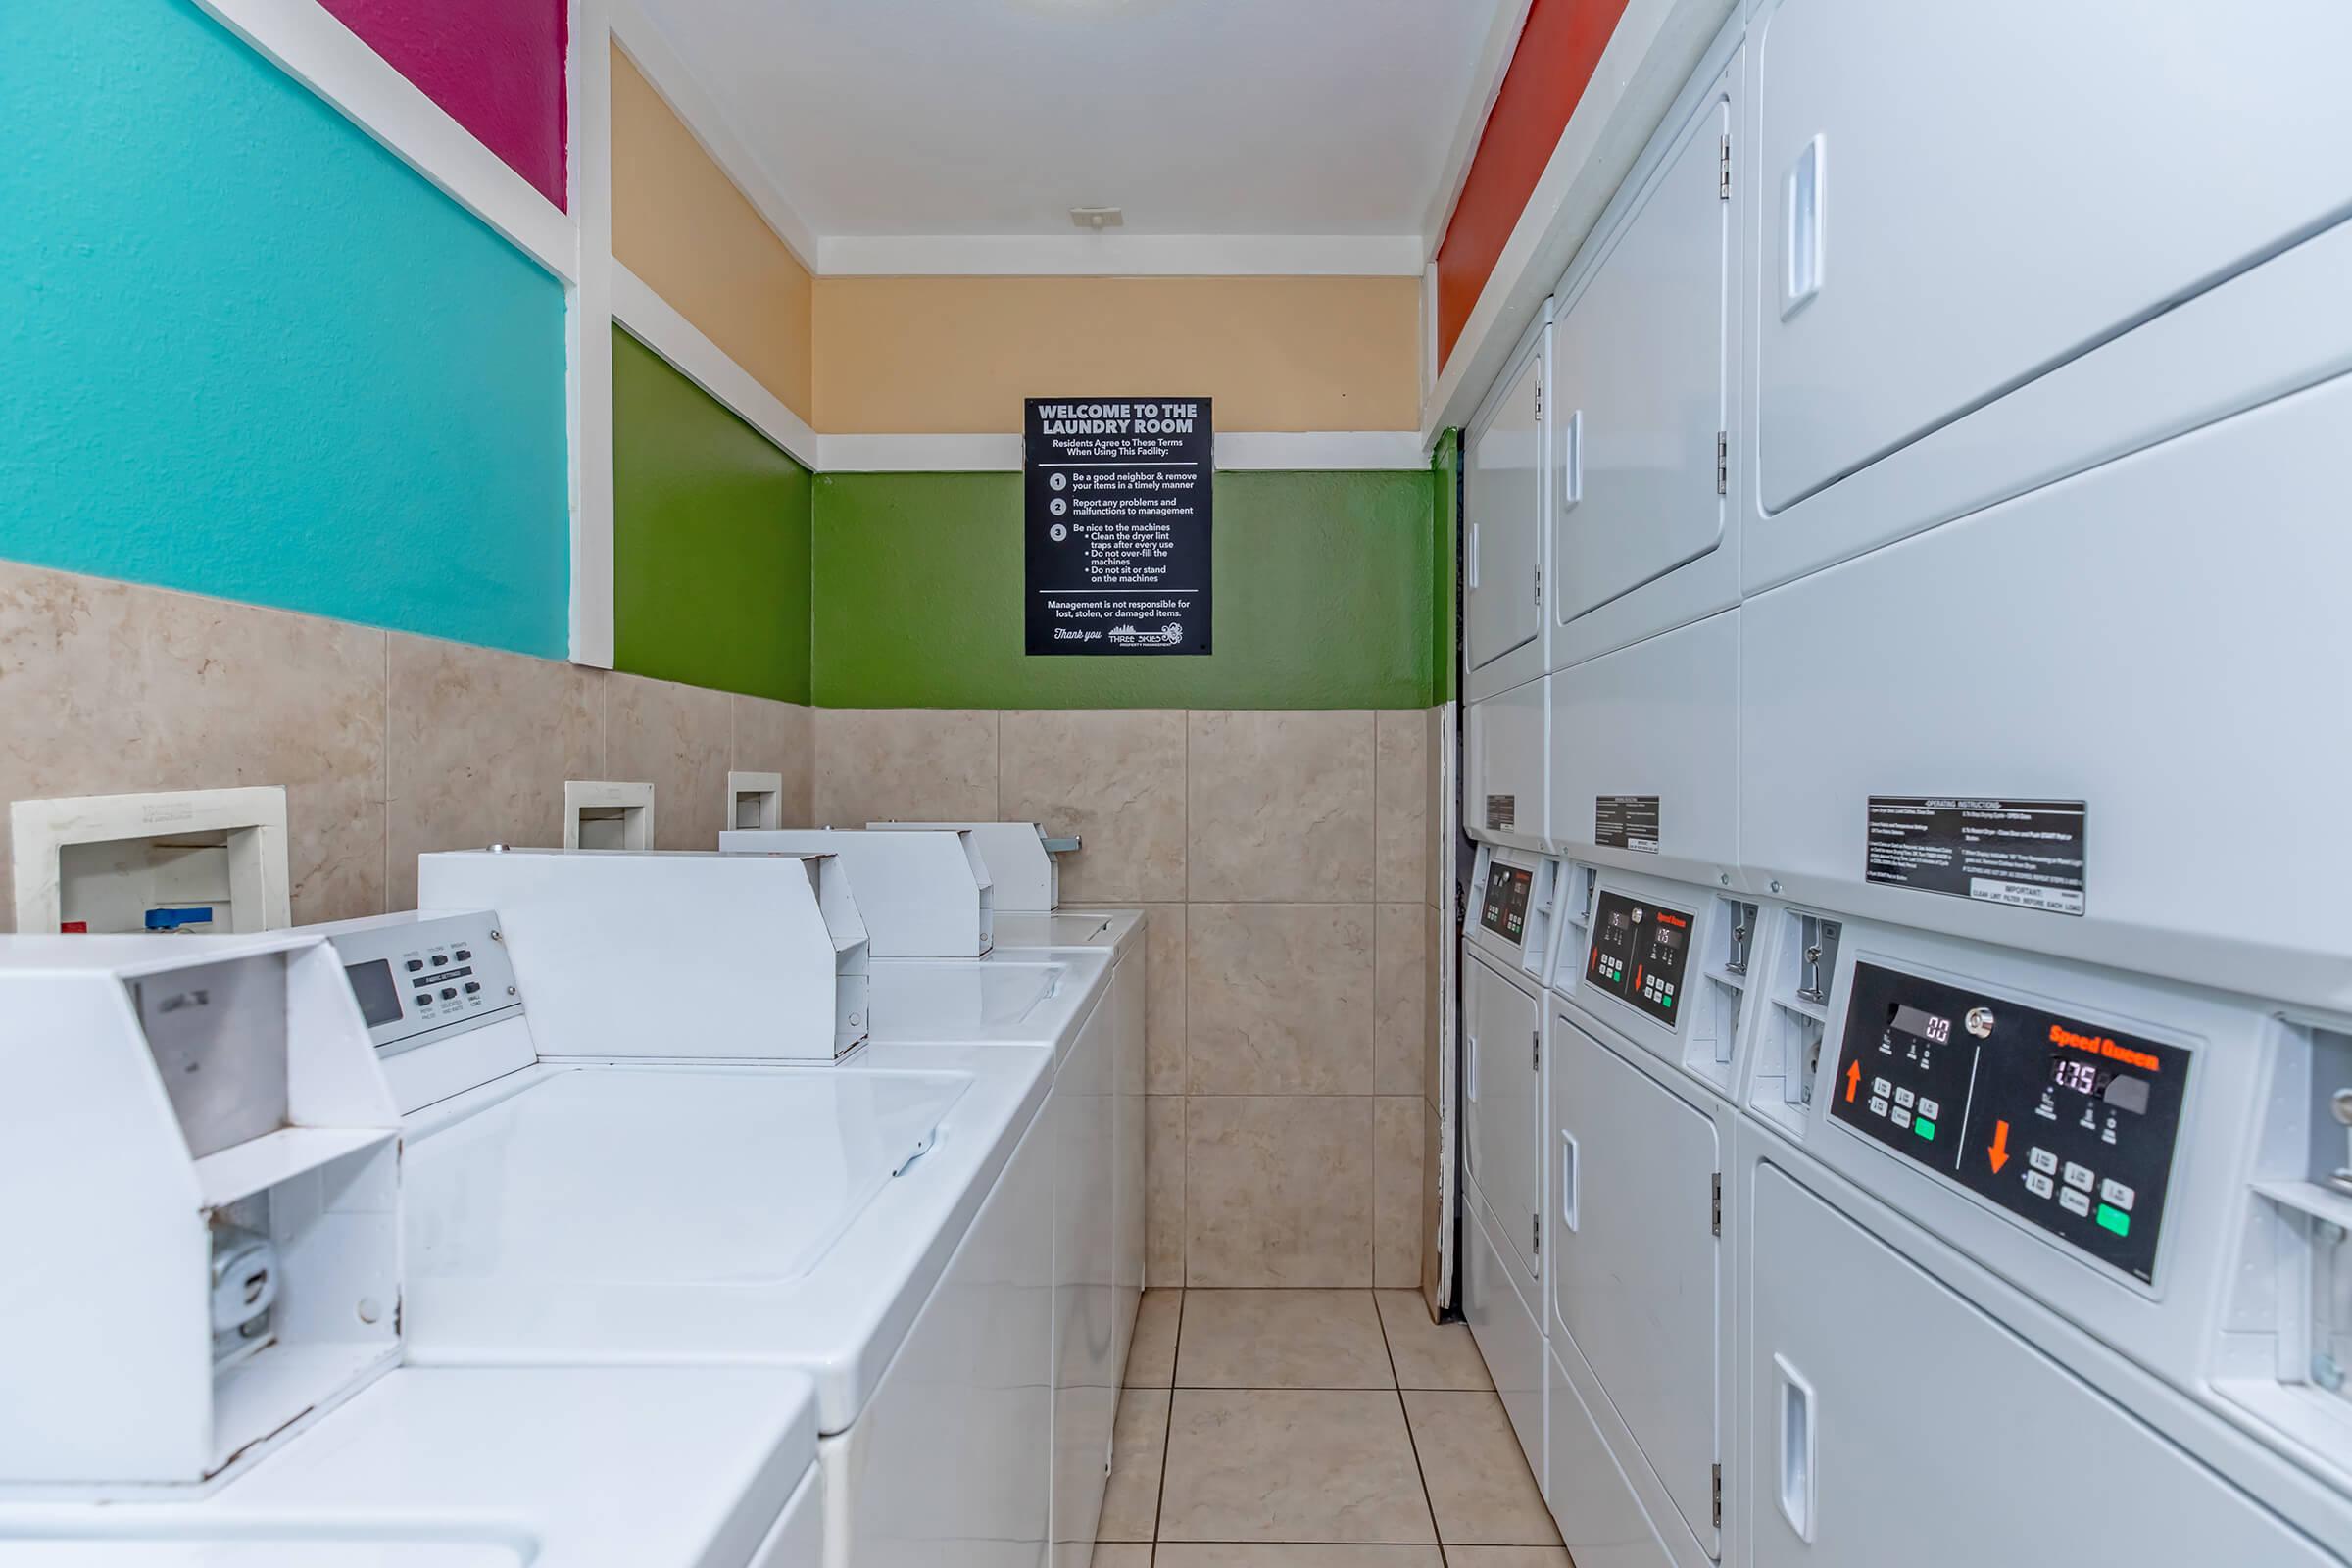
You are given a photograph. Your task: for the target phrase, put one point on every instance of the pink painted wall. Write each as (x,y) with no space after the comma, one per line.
(497,66)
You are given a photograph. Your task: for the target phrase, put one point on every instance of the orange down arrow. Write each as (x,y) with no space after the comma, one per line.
(1853,1080)
(2000,1145)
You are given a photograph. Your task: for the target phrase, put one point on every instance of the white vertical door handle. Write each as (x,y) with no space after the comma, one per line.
(1471,561)
(1569,1171)
(1805,226)
(1572,459)
(1797,1486)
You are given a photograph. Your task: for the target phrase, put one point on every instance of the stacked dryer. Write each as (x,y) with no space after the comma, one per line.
(1949,1053)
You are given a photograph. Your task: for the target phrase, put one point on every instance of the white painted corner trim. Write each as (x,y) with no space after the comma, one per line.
(1117,254)
(1237,450)
(660,65)
(302,39)
(657,324)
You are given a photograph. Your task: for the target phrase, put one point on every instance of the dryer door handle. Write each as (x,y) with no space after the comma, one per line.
(1570,1165)
(1797,1486)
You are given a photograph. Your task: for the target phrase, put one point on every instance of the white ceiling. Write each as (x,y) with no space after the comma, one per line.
(996,117)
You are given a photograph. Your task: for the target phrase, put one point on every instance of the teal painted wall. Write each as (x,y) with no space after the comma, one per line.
(244,351)
(709,538)
(1322,584)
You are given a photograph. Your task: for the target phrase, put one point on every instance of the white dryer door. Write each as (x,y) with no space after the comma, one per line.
(1502,507)
(1955,202)
(1633,1262)
(1890,1421)
(1506,1109)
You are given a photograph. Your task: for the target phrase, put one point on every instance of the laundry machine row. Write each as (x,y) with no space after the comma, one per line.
(1783,567)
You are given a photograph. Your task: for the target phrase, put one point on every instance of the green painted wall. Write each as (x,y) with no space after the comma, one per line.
(1446,485)
(1323,584)
(710,555)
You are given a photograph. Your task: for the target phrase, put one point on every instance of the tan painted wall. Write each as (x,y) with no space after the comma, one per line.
(679,223)
(956,355)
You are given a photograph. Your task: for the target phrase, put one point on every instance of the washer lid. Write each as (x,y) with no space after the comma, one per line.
(972,999)
(553,1467)
(591,1176)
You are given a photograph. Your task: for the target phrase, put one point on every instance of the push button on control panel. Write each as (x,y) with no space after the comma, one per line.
(2043,1160)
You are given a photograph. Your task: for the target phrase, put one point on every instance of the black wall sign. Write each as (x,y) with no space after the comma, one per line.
(1116,521)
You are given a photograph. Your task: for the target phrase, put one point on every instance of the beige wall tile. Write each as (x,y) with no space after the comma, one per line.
(679,738)
(1397,1233)
(1163,1190)
(1278,1189)
(236,695)
(72,664)
(906,765)
(1400,999)
(1280,805)
(1165,941)
(772,737)
(1436,726)
(1113,777)
(1400,804)
(1278,998)
(480,743)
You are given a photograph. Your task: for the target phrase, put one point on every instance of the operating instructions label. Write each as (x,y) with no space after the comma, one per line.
(1118,493)
(2026,854)
(1626,822)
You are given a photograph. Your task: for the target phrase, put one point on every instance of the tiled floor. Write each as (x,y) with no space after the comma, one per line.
(1314,1429)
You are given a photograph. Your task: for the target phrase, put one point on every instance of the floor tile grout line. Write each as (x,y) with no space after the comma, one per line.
(1414,1443)
(1167,1430)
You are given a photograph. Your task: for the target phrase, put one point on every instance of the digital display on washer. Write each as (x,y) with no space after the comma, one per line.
(2067,1124)
(373,987)
(1638,954)
(1504,911)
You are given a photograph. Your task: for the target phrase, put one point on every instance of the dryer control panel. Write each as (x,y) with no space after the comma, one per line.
(2067,1124)
(1503,911)
(1639,953)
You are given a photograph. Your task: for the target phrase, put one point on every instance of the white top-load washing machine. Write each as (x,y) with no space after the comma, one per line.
(923,895)
(690,1195)
(1095,1114)
(202,1368)
(1023,859)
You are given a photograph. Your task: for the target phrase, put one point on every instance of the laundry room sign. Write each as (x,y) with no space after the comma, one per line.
(1118,495)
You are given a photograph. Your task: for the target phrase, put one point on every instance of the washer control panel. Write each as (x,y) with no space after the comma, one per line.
(2067,1124)
(1638,954)
(421,979)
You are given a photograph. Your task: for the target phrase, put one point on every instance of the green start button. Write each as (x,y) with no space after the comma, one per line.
(2115,1219)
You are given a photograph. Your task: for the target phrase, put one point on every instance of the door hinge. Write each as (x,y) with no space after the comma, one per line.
(1723,462)
(1538,402)
(1717,1202)
(1723,187)
(1539,584)
(1535,1054)
(1534,1234)
(1718,1497)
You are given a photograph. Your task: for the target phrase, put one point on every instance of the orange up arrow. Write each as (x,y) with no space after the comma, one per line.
(1853,1080)
(2000,1145)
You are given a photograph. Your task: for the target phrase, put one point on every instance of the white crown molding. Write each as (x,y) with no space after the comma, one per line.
(1495,59)
(1635,82)
(301,38)
(1120,255)
(657,324)
(1237,452)
(699,112)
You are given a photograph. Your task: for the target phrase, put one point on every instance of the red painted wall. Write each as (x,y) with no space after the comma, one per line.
(497,66)
(1557,50)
